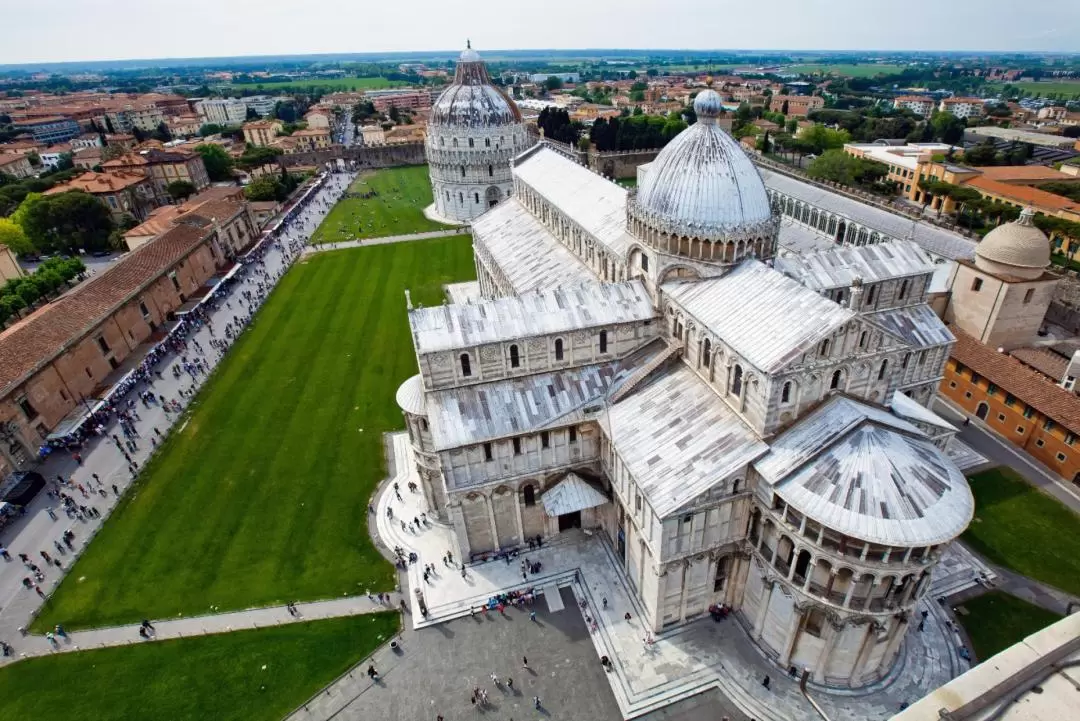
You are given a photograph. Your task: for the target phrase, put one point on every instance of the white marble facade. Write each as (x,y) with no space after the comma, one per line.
(731,416)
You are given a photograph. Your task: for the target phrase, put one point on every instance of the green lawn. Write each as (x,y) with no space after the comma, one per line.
(262,497)
(852,71)
(627,182)
(1067,88)
(242,676)
(1018,527)
(330,84)
(997,620)
(398,209)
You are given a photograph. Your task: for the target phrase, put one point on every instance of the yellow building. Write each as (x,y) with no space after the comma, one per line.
(261,133)
(9,267)
(312,138)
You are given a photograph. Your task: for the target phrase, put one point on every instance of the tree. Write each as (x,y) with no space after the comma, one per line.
(217,161)
(180,190)
(251,114)
(68,222)
(553,82)
(822,138)
(1071,131)
(839,167)
(19,213)
(209,129)
(13,236)
(161,132)
(140,135)
(784,108)
(947,128)
(265,187)
(985,153)
(66,161)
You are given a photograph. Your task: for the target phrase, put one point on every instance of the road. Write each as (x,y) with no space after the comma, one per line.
(1001,452)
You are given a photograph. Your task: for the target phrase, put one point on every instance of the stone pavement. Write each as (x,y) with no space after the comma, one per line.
(382,240)
(36,531)
(683,662)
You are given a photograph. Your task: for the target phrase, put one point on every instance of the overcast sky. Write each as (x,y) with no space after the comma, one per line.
(59,30)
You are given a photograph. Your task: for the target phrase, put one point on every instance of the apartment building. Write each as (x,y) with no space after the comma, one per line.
(918,104)
(963,107)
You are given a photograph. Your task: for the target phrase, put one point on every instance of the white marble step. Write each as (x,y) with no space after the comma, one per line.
(554,598)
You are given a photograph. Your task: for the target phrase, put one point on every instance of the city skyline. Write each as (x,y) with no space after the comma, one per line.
(249,28)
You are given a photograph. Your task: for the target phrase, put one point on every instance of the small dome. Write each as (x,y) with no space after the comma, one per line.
(472,100)
(702,184)
(707,104)
(1017,248)
(410,396)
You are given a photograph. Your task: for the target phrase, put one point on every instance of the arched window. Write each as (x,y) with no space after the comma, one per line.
(447,196)
(442,141)
(907,359)
(487,142)
(824,349)
(558,349)
(903,289)
(603,341)
(491,171)
(460,198)
(871,294)
(463,171)
(706,353)
(476,198)
(736,380)
(881,371)
(515,360)
(840,297)
(470,142)
(423,424)
(836,377)
(785,394)
(862,339)
(530,495)
(455,142)
(466,366)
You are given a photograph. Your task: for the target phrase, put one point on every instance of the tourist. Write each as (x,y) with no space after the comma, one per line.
(525,662)
(766,681)
(536,702)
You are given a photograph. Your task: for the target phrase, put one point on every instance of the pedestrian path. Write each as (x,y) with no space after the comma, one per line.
(362,242)
(681,663)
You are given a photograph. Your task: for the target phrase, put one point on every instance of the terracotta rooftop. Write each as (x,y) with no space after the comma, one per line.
(36,340)
(1039,199)
(1044,360)
(312,131)
(1012,376)
(11,159)
(92,183)
(1040,173)
(219,199)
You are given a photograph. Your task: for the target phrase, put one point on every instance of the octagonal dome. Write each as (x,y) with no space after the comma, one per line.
(1017,248)
(702,184)
(472,100)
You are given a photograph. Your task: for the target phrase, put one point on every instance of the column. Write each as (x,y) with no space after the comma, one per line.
(461,533)
(850,591)
(491,518)
(520,524)
(766,599)
(833,634)
(794,630)
(864,651)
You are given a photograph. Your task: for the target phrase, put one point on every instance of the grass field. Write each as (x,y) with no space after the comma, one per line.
(331,84)
(1068,88)
(398,209)
(262,496)
(242,676)
(853,71)
(997,620)
(627,182)
(1018,527)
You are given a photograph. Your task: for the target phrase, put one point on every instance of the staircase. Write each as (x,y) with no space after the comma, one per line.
(673,349)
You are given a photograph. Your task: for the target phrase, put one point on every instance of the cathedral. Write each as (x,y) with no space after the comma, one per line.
(741,428)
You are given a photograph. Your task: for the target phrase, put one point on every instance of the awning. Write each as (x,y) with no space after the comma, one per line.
(571,494)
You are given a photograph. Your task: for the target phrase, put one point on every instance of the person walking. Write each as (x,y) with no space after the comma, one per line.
(525,662)
(536,703)
(766,681)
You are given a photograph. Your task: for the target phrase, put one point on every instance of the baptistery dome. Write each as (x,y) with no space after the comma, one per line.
(703,188)
(472,100)
(1017,248)
(474,133)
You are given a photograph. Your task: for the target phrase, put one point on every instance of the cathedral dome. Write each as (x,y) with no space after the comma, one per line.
(472,100)
(702,185)
(1017,248)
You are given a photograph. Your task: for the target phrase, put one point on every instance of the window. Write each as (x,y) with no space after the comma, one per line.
(706,352)
(785,394)
(1048,425)
(837,376)
(976,285)
(471,142)
(903,290)
(26,407)
(487,142)
(491,171)
(545,439)
(1020,430)
(460,198)
(573,434)
(881,371)
(922,357)
(1029,295)
(175,282)
(487,451)
(515,360)
(824,349)
(463,171)
(476,198)
(815,622)
(603,341)
(63,395)
(1010,399)
(637,501)
(644,262)
(143,309)
(907,359)
(862,339)
(871,294)
(466,365)
(1028,411)
(1060,457)
(1001,417)
(1069,439)
(530,496)
(517,446)
(840,297)
(558,349)
(1040,443)
(736,380)
(103,345)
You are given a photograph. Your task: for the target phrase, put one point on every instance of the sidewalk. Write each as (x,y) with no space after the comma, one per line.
(683,662)
(361,242)
(36,531)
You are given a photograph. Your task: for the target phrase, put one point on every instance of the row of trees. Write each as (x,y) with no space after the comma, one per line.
(272,186)
(839,167)
(637,132)
(556,124)
(50,277)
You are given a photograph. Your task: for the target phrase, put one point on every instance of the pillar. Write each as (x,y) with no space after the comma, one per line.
(491,519)
(766,599)
(461,533)
(520,523)
(794,630)
(833,634)
(864,652)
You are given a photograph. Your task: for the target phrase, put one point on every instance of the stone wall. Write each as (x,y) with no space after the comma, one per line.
(620,164)
(374,156)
